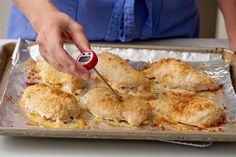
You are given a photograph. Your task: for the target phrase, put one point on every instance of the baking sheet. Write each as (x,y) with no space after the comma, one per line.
(213,65)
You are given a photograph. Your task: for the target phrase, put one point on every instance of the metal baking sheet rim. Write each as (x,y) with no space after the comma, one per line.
(119,134)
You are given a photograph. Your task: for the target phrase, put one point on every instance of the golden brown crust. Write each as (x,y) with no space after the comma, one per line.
(197,111)
(64,81)
(135,110)
(104,104)
(36,120)
(121,75)
(173,73)
(53,108)
(101,103)
(50,103)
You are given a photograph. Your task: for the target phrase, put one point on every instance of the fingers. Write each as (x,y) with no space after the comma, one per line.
(78,37)
(69,63)
(66,37)
(52,61)
(50,39)
(54,53)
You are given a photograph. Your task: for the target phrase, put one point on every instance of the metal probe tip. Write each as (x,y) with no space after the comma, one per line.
(102,78)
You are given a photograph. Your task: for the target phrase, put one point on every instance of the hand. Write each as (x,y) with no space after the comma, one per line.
(53,29)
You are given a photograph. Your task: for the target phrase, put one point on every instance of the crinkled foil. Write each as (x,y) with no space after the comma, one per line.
(212,64)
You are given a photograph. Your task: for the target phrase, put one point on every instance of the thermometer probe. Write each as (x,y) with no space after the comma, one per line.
(89,60)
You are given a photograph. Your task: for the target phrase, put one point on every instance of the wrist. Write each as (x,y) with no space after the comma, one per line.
(35,11)
(38,20)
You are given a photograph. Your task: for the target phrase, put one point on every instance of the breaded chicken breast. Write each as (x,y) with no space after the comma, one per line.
(104,104)
(174,73)
(55,78)
(135,110)
(121,75)
(50,103)
(197,111)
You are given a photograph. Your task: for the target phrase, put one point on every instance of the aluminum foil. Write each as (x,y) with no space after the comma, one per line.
(213,64)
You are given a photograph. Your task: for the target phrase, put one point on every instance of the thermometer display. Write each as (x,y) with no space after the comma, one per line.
(88,59)
(84,59)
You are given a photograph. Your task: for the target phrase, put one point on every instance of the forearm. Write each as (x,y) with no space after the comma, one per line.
(228,8)
(35,9)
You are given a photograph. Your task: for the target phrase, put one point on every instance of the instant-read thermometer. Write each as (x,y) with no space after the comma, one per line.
(89,60)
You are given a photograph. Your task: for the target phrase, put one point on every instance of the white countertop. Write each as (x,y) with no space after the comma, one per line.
(49,147)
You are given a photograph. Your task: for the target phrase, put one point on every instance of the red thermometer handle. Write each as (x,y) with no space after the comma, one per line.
(88,59)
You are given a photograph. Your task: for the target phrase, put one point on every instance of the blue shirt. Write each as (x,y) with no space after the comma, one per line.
(122,20)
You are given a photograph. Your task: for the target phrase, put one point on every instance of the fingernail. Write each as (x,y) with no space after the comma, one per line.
(84,76)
